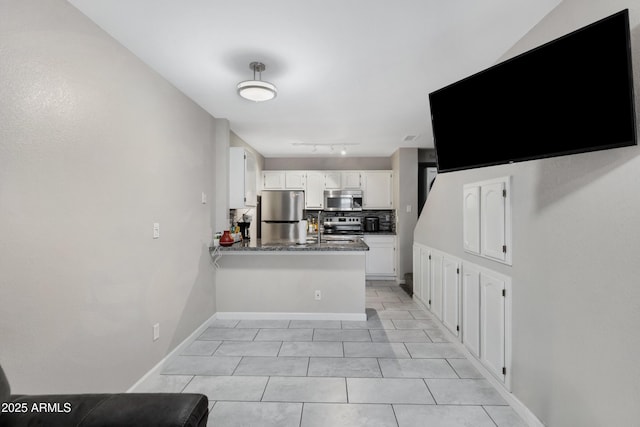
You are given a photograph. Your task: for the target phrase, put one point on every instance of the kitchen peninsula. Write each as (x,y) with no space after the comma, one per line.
(313,281)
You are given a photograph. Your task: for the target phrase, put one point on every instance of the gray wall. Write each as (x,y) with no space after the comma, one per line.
(576,240)
(405,171)
(327,163)
(94,148)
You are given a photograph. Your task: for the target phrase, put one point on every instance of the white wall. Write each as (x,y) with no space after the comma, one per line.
(94,148)
(576,246)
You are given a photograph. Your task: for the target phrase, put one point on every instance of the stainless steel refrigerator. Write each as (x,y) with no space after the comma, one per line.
(282,216)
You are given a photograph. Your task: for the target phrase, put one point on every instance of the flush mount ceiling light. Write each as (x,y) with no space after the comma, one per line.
(257,90)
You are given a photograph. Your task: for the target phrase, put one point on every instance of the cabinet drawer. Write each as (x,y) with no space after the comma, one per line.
(368,238)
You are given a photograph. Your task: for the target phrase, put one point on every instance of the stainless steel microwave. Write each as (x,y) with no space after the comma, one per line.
(342,200)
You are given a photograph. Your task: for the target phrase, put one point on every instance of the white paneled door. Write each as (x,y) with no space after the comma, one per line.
(471,309)
(493,220)
(435,302)
(492,321)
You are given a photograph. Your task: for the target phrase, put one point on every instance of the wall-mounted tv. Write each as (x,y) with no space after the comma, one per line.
(571,95)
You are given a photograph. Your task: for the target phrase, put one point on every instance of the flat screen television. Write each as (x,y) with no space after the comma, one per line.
(571,95)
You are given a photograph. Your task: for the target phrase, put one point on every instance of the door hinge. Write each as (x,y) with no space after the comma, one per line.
(504,249)
(504,292)
(429,256)
(458,328)
(504,193)
(429,302)
(457,271)
(504,370)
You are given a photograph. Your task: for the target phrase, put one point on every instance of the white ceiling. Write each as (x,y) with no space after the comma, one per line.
(352,72)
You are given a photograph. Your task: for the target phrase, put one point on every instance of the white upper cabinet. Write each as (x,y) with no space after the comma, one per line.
(351,180)
(314,190)
(273,180)
(294,180)
(486,209)
(333,180)
(242,178)
(493,220)
(377,188)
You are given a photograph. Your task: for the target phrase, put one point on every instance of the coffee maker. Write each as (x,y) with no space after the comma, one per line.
(244,230)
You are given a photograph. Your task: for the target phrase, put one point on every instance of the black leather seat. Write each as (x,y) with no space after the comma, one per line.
(102,410)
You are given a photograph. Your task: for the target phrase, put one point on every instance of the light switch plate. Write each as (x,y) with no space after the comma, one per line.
(156,230)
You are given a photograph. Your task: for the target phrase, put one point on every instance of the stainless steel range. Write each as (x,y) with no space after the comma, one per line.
(343,225)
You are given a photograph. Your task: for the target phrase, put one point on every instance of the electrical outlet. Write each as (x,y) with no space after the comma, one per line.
(156,331)
(156,230)
(318,295)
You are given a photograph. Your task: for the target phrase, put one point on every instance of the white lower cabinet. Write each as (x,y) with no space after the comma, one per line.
(451,294)
(471,309)
(472,302)
(425,274)
(435,284)
(492,324)
(417,273)
(380,259)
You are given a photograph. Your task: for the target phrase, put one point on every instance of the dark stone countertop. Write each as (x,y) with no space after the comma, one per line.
(355,245)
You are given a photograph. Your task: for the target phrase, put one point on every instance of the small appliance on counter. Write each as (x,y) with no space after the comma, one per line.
(244,230)
(371,224)
(282,218)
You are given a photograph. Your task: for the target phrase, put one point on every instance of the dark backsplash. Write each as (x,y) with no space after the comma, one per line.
(387,218)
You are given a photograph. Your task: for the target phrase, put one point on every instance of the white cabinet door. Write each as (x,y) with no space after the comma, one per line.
(314,190)
(377,187)
(450,294)
(417,273)
(471,309)
(436,285)
(425,273)
(333,180)
(242,179)
(251,180)
(351,180)
(273,180)
(471,218)
(493,220)
(380,259)
(294,180)
(492,321)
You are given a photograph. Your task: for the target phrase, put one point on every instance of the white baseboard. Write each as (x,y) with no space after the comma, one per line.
(375,278)
(290,316)
(179,348)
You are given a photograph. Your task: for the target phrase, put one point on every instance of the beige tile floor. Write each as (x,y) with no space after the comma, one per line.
(396,369)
